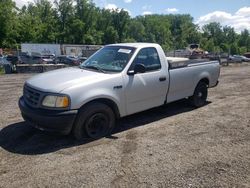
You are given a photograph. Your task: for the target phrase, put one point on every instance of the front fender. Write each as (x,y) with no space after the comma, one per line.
(105,97)
(82,97)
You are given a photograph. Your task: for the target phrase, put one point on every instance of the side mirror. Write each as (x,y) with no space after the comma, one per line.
(139,68)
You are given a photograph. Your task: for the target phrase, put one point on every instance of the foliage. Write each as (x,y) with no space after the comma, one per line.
(2,70)
(82,22)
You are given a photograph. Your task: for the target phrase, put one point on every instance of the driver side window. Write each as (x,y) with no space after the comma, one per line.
(149,58)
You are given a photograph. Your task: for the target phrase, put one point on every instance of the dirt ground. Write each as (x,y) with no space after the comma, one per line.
(170,146)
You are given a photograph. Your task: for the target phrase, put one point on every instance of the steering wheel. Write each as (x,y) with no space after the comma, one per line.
(118,63)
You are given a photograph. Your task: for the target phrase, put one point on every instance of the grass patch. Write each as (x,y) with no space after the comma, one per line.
(1,70)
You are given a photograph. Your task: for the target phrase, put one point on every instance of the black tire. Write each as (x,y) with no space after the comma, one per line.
(200,95)
(94,121)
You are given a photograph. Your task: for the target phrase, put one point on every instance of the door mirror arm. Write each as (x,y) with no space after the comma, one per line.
(131,72)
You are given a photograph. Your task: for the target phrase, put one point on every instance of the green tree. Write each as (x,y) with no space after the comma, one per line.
(110,36)
(244,40)
(76,30)
(207,44)
(183,30)
(156,29)
(8,23)
(64,10)
(45,16)
(234,48)
(229,38)
(82,22)
(120,19)
(213,30)
(136,30)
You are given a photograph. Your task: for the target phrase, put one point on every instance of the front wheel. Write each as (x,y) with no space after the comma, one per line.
(200,95)
(95,120)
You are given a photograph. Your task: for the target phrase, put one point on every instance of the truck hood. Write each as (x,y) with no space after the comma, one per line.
(58,80)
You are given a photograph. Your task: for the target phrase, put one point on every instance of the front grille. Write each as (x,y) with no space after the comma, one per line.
(31,96)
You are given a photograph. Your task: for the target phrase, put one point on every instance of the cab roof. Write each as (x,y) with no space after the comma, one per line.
(136,45)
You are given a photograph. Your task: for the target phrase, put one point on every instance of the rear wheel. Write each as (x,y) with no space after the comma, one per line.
(200,95)
(94,121)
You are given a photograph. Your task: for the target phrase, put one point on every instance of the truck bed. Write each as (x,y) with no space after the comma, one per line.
(184,75)
(178,62)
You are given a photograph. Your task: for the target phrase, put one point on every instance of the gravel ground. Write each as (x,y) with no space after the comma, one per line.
(170,146)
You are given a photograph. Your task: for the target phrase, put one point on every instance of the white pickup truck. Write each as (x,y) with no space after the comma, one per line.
(118,80)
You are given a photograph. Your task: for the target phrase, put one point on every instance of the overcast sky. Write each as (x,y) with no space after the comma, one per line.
(235,13)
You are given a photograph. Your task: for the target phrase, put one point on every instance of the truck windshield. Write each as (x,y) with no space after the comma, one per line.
(109,59)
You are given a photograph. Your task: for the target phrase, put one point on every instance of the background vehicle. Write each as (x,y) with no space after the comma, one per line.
(68,60)
(48,59)
(8,66)
(245,59)
(117,81)
(238,58)
(25,58)
(3,61)
(82,59)
(12,59)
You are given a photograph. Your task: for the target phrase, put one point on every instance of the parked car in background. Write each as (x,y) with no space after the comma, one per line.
(8,66)
(82,59)
(68,60)
(247,54)
(12,59)
(238,59)
(48,59)
(245,59)
(3,61)
(25,58)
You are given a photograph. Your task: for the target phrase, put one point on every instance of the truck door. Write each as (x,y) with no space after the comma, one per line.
(148,89)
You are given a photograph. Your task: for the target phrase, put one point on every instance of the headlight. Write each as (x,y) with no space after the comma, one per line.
(53,101)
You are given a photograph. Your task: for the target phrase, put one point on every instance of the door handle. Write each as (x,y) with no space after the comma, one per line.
(161,79)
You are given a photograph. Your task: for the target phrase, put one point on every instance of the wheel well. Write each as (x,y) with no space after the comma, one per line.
(205,80)
(109,103)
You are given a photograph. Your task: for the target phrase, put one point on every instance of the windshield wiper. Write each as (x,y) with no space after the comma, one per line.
(94,67)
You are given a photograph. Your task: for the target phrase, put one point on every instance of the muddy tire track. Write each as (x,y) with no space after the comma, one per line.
(127,176)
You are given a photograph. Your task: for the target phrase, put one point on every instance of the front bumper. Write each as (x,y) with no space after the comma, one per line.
(48,120)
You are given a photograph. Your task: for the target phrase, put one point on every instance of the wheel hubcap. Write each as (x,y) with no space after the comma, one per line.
(97,125)
(200,94)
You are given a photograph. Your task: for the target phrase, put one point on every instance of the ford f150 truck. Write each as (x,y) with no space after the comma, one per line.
(118,80)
